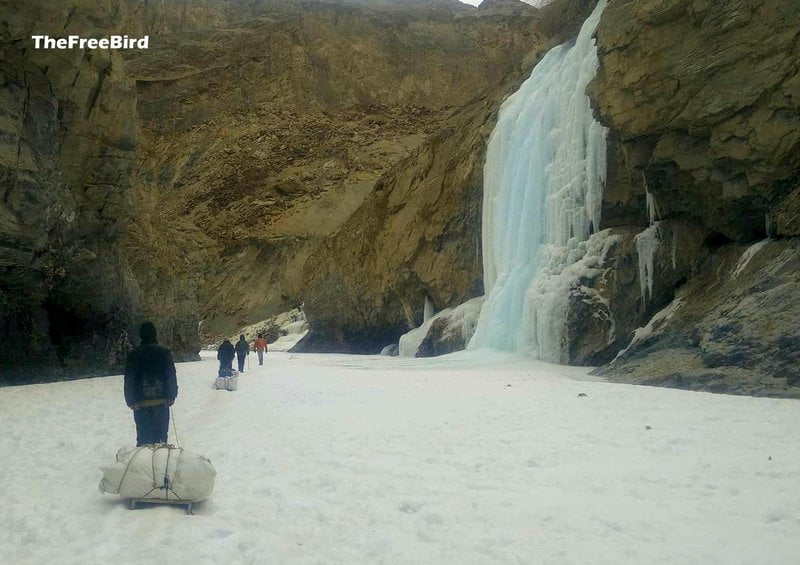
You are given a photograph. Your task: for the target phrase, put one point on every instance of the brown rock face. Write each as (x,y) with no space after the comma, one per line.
(705,98)
(606,308)
(196,182)
(418,231)
(260,141)
(67,149)
(703,102)
(730,328)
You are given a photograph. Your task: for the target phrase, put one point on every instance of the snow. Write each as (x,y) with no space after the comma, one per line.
(543,183)
(655,326)
(292,325)
(748,254)
(295,331)
(410,341)
(362,460)
(462,320)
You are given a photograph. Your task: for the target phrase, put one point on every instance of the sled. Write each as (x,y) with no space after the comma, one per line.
(159,474)
(226,383)
(227,379)
(187,503)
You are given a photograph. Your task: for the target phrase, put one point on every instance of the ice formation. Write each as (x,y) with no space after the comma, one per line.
(543,183)
(410,341)
(647,244)
(428,309)
(550,293)
(653,212)
(459,320)
(654,327)
(748,254)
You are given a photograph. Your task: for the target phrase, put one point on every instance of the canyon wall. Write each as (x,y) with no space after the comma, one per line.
(67,149)
(191,183)
(270,155)
(703,102)
(268,144)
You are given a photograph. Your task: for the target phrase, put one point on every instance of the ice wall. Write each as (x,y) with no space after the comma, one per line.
(543,181)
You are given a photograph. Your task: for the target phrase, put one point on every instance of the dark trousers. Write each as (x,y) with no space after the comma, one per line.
(152,424)
(260,357)
(240,357)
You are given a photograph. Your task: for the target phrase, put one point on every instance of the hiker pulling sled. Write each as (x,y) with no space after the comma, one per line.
(155,471)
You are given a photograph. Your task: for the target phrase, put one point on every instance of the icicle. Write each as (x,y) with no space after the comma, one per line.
(653,213)
(543,188)
(428,309)
(647,244)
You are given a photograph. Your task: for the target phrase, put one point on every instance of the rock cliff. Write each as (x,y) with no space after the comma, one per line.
(703,102)
(264,140)
(417,233)
(67,148)
(194,180)
(267,155)
(698,281)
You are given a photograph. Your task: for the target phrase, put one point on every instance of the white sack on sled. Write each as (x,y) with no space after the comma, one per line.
(159,472)
(226,383)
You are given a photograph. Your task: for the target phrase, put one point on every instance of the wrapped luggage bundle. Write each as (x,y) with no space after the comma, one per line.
(228,379)
(159,473)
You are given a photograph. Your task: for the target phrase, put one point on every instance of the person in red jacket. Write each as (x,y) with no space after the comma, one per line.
(260,345)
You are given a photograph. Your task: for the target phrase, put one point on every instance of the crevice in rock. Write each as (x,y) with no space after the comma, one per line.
(95,94)
(716,240)
(66,328)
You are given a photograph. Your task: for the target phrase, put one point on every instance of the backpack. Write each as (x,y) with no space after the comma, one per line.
(151,387)
(151,378)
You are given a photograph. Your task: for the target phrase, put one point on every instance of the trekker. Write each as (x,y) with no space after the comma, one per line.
(150,387)
(242,351)
(260,345)
(225,354)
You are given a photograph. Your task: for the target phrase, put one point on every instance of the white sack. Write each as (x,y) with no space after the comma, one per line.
(159,472)
(226,383)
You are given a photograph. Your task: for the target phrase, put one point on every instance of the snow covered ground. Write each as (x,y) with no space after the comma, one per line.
(344,459)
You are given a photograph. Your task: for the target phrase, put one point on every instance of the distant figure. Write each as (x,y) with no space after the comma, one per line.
(242,351)
(260,345)
(150,387)
(225,354)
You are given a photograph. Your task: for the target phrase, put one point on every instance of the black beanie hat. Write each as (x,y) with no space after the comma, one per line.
(148,333)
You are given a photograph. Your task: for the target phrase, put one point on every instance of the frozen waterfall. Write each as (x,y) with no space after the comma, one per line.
(543,185)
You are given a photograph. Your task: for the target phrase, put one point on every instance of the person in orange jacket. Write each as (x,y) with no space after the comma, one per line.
(260,346)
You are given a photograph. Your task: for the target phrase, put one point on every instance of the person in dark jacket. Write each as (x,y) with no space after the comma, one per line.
(150,387)
(242,351)
(225,354)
